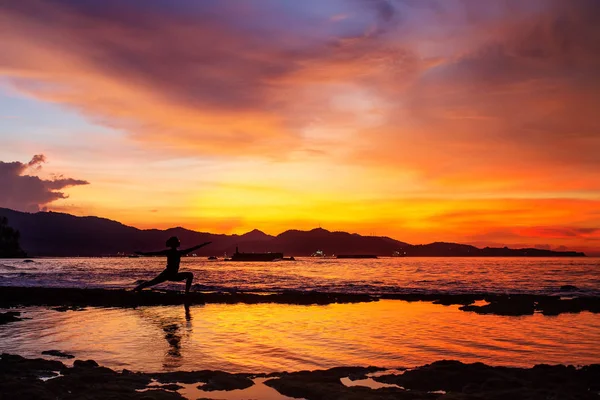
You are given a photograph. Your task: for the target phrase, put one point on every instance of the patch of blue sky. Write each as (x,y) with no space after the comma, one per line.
(25,121)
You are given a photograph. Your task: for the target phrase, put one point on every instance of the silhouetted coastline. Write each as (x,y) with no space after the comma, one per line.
(64,235)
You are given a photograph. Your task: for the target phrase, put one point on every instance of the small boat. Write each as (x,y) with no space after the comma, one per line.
(133,256)
(399,254)
(318,253)
(237,256)
(213,258)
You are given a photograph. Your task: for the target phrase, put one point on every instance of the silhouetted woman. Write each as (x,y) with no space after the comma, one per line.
(171,273)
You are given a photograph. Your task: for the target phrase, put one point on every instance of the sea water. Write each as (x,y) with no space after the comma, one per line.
(383,275)
(277,337)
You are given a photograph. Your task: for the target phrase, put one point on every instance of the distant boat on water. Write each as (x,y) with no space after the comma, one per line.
(321,254)
(399,254)
(237,256)
(356,256)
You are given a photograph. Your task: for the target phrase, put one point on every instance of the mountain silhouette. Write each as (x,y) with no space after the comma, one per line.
(297,242)
(59,234)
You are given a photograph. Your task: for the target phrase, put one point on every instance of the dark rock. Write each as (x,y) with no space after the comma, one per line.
(568,288)
(182,376)
(554,305)
(18,365)
(157,394)
(68,308)
(213,380)
(224,381)
(64,299)
(85,364)
(509,305)
(57,353)
(479,381)
(462,299)
(10,316)
(171,386)
(326,384)
(358,376)
(19,378)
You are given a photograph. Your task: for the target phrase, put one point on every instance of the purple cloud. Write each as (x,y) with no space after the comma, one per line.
(30,193)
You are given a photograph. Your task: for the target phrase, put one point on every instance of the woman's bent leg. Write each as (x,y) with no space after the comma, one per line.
(188,276)
(159,279)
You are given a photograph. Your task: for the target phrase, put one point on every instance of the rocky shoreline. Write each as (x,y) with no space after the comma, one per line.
(48,379)
(63,299)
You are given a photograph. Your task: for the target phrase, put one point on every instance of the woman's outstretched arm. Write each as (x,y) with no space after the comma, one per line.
(185,251)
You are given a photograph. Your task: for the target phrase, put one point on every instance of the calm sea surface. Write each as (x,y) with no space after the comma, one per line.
(276,337)
(384,275)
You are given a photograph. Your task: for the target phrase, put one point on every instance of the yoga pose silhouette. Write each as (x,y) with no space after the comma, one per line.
(171,272)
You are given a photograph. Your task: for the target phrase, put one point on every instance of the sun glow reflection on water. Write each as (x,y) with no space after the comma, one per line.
(275,337)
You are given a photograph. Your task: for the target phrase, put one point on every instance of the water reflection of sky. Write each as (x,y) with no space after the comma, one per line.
(274,337)
(399,274)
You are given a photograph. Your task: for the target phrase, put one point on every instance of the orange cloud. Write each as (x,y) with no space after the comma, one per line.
(436,119)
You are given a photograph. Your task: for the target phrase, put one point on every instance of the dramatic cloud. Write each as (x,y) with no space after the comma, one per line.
(29,193)
(513,110)
(435,113)
(408,80)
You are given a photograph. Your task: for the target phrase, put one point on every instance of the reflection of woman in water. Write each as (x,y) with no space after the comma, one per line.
(175,330)
(171,273)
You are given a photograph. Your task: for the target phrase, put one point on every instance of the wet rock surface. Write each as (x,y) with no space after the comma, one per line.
(10,316)
(516,305)
(449,380)
(326,384)
(20,378)
(86,380)
(68,308)
(74,299)
(57,353)
(569,288)
(211,380)
(480,381)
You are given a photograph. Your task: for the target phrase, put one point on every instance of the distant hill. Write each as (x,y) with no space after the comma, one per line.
(58,234)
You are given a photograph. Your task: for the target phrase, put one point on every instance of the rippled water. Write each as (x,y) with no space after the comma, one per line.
(275,337)
(384,275)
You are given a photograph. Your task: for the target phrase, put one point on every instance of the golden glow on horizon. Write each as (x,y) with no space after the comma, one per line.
(463,136)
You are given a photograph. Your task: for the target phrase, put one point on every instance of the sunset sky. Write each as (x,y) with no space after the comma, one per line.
(473,121)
